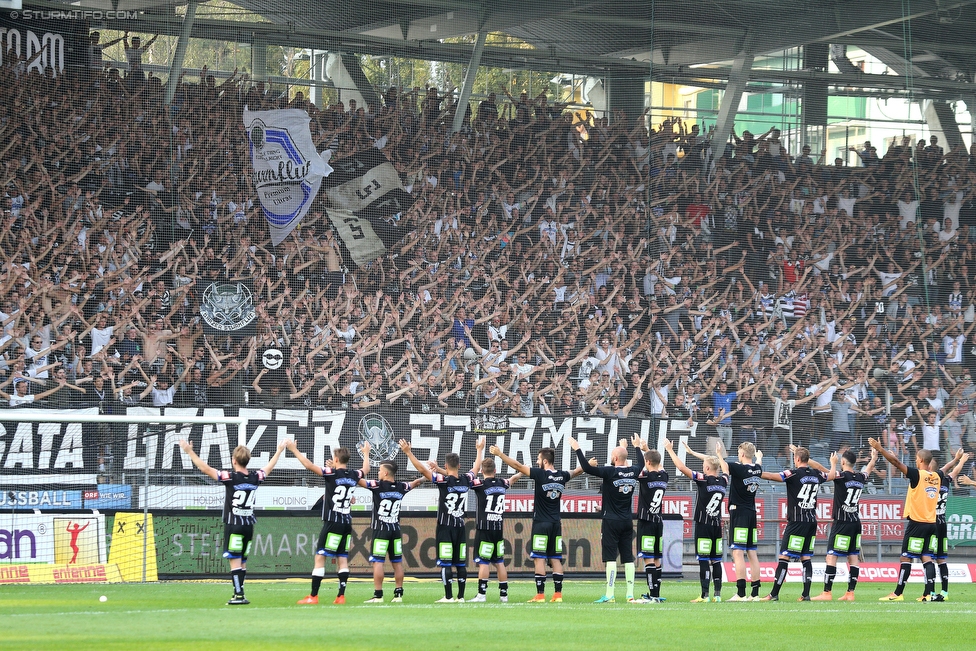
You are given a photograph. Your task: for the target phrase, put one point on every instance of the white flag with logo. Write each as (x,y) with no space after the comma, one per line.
(287,169)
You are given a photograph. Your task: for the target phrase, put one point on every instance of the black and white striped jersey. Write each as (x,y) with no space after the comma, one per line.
(490,492)
(453,497)
(387,496)
(339,484)
(848,487)
(241,490)
(652,487)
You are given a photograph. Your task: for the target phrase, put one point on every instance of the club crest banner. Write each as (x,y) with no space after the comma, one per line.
(228,308)
(287,169)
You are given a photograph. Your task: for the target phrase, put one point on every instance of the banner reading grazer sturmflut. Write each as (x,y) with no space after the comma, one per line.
(364,193)
(287,169)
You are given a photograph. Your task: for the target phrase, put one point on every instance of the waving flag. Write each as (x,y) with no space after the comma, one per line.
(365,196)
(287,169)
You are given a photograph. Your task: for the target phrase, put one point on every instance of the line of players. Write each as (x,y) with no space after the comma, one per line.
(925,537)
(620,481)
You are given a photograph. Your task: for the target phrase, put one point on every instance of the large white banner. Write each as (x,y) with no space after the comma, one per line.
(287,169)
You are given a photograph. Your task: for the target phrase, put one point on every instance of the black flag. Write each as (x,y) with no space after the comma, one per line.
(365,193)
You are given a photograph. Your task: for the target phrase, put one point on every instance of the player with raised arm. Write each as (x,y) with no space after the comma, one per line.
(802,486)
(617,527)
(921,502)
(652,485)
(947,473)
(387,496)
(712,488)
(241,487)
(452,551)
(547,532)
(744,480)
(336,519)
(489,545)
(845,532)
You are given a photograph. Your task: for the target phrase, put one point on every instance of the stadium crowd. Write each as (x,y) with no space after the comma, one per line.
(548,266)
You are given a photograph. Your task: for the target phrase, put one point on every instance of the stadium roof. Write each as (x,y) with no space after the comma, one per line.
(609,36)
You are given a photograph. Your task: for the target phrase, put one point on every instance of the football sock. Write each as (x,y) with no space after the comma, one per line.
(740,587)
(807,576)
(944,576)
(447,578)
(903,573)
(540,583)
(929,568)
(611,578)
(462,573)
(244,576)
(502,588)
(717,578)
(852,581)
(756,586)
(630,572)
(482,586)
(343,579)
(704,577)
(237,577)
(658,573)
(317,574)
(782,568)
(649,577)
(398,593)
(557,581)
(830,573)
(377,594)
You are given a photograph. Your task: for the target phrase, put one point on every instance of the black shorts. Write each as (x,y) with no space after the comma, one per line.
(708,542)
(547,540)
(798,540)
(386,543)
(617,537)
(650,539)
(941,541)
(844,539)
(489,547)
(920,539)
(334,539)
(237,540)
(743,531)
(452,550)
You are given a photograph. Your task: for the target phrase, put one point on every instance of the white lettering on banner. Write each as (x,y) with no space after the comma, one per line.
(50,46)
(66,438)
(22,449)
(215,436)
(326,438)
(960,527)
(584,424)
(173,436)
(40,499)
(611,440)
(568,504)
(417,440)
(520,431)
(69,452)
(462,425)
(553,437)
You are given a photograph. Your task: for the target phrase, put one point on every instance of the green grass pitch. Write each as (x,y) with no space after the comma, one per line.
(193,615)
